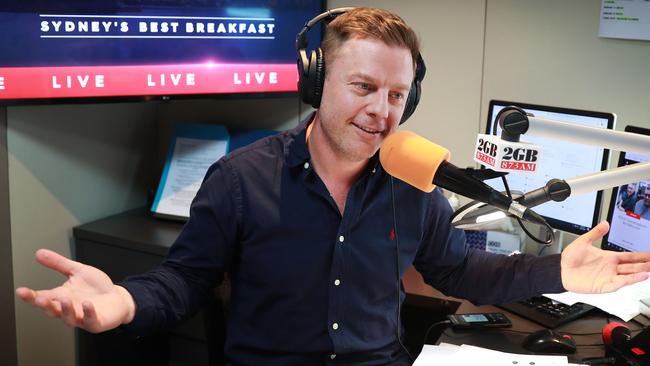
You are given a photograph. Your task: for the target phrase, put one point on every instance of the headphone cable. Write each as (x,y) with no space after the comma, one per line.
(399,302)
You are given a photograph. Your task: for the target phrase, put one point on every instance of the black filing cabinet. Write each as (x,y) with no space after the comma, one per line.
(132,243)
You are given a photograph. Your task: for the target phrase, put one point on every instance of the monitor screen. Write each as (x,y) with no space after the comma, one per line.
(629,208)
(98,48)
(562,160)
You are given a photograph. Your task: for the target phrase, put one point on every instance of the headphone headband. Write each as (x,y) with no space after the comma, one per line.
(311,68)
(301,38)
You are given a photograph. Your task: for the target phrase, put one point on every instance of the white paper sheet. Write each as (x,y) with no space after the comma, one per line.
(624,303)
(450,355)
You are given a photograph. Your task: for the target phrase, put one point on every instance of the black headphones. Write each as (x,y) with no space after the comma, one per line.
(311,69)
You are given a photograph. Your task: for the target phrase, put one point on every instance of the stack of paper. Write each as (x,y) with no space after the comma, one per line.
(624,303)
(452,355)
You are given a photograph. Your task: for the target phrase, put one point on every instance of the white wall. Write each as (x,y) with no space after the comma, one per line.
(549,52)
(68,164)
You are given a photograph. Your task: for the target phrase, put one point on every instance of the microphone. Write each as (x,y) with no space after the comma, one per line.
(424,164)
(507,153)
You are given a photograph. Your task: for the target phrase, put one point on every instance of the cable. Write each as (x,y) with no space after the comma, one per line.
(399,302)
(551,235)
(432,326)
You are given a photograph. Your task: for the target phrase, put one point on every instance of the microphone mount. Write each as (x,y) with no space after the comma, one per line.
(515,121)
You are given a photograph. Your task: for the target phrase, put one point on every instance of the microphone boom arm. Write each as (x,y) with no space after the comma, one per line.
(516,121)
(558,190)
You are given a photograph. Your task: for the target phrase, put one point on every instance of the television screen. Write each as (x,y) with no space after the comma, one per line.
(98,48)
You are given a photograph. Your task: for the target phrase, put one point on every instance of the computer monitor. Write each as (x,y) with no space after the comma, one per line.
(559,159)
(629,208)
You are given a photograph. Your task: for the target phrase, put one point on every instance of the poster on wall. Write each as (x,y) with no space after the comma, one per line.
(625,19)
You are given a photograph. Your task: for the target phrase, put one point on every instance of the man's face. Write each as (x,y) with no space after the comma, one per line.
(647,197)
(630,189)
(364,95)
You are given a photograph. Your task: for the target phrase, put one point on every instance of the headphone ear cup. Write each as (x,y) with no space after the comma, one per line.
(311,74)
(304,88)
(411,101)
(416,89)
(317,74)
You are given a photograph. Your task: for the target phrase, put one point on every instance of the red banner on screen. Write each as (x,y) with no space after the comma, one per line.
(103,81)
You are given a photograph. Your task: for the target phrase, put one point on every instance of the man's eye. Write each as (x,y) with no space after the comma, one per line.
(397,96)
(363,86)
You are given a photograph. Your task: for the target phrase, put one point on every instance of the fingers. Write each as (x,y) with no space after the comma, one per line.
(26,294)
(45,300)
(57,262)
(634,257)
(90,321)
(71,313)
(625,280)
(35,297)
(628,268)
(49,306)
(597,232)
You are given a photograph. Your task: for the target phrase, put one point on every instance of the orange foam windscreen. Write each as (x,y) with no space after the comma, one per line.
(412,158)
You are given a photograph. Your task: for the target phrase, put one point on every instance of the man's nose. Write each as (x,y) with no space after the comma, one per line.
(378,105)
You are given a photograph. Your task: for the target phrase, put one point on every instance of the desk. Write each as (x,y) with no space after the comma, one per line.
(586,332)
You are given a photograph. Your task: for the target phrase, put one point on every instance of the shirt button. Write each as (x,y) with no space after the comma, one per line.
(341,238)
(374,170)
(337,282)
(332,356)
(335,326)
(306,165)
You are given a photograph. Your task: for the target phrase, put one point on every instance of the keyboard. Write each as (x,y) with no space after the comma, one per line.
(547,312)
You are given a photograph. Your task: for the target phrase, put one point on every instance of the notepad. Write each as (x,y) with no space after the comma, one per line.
(193,148)
(452,355)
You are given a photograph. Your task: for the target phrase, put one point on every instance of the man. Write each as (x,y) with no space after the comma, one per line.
(627,198)
(315,235)
(642,207)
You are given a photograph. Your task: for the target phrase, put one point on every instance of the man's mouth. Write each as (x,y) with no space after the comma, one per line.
(366,129)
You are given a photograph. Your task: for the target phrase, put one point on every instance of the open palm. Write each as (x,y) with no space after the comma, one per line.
(587,269)
(88,299)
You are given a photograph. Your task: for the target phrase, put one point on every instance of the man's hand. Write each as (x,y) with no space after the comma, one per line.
(587,269)
(88,299)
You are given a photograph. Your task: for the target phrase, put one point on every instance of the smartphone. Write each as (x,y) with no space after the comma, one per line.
(479,320)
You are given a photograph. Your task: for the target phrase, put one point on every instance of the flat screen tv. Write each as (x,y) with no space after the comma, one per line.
(149,48)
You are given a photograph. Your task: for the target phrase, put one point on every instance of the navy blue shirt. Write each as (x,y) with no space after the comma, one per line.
(311,286)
